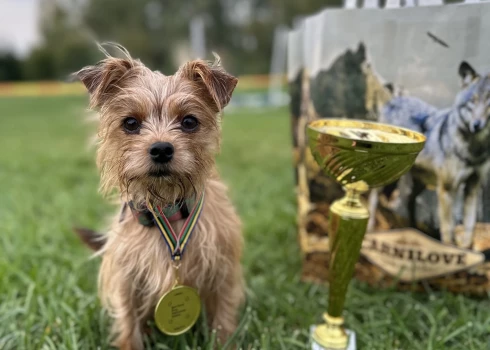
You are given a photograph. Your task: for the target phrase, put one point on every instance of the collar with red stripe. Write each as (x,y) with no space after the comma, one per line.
(173,212)
(150,215)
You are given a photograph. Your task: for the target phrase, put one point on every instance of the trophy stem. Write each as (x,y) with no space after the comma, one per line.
(348,223)
(357,154)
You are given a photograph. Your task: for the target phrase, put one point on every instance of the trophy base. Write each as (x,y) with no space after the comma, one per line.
(351,342)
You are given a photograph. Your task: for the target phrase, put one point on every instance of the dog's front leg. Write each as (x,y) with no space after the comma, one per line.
(223,306)
(445,195)
(128,330)
(471,189)
(127,327)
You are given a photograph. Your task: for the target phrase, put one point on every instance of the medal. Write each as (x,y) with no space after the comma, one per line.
(177,310)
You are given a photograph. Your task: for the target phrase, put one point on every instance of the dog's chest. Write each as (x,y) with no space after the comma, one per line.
(141,258)
(196,264)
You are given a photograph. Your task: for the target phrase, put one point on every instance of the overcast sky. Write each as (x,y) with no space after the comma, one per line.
(18,25)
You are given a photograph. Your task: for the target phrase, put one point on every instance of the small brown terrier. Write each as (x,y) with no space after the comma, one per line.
(158,137)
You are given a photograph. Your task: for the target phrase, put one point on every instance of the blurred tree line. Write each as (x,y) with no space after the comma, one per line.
(157,32)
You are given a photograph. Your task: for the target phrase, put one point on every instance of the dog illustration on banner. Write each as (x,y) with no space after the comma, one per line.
(456,155)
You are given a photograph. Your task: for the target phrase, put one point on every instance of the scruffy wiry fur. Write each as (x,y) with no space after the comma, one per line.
(136,267)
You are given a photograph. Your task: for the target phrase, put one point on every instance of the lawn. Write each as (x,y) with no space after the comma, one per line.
(48,183)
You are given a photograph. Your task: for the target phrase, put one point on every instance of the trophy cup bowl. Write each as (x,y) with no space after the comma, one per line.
(359,155)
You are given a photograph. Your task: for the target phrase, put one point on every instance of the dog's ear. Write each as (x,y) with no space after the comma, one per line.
(102,80)
(467,73)
(390,88)
(213,78)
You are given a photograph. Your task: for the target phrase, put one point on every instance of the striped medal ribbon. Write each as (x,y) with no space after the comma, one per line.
(177,243)
(178,309)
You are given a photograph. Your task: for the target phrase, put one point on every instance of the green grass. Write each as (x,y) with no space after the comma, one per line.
(48,183)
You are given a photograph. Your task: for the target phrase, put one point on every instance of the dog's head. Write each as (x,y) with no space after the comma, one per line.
(473,102)
(158,135)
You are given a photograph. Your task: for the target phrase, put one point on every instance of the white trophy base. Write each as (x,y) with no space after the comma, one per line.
(351,344)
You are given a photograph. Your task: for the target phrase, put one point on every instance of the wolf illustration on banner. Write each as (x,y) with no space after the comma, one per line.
(456,155)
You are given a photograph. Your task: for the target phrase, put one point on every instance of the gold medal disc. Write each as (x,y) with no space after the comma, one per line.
(178,310)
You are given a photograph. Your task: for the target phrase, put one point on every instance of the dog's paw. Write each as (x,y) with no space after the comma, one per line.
(464,242)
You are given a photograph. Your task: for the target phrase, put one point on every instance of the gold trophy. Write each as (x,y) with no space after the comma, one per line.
(359,155)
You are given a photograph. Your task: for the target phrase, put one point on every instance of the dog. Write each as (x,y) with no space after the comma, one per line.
(158,137)
(456,154)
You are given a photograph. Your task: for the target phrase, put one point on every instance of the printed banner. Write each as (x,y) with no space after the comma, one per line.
(422,68)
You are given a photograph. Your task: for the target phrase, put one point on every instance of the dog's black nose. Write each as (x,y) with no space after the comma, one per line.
(477,124)
(161,152)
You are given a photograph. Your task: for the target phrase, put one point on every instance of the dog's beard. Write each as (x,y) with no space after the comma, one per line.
(162,186)
(160,172)
(169,189)
(140,180)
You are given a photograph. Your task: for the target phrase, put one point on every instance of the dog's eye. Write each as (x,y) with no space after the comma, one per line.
(131,125)
(189,123)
